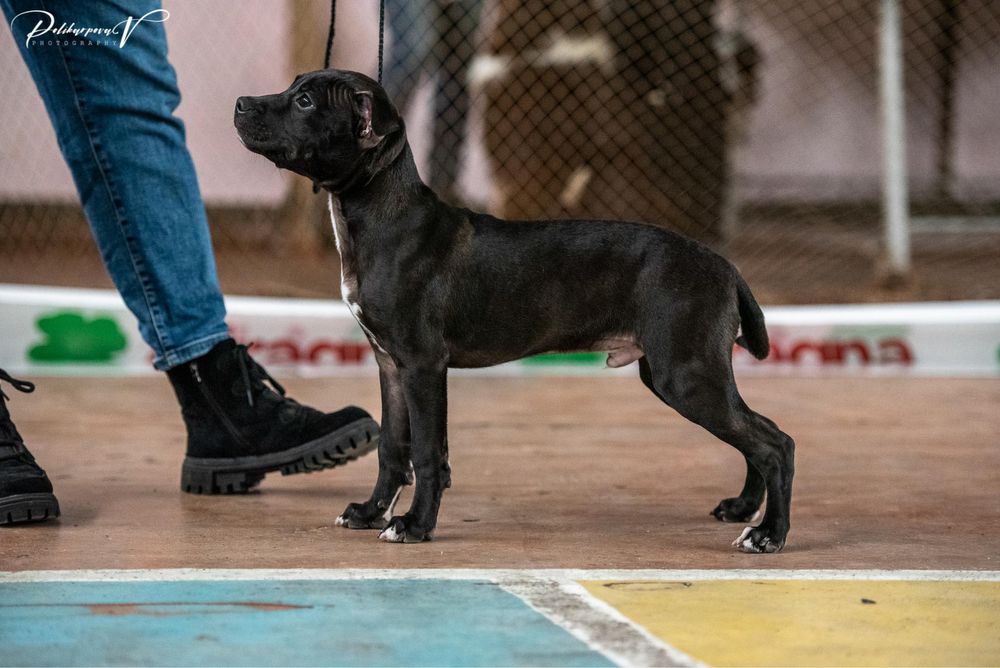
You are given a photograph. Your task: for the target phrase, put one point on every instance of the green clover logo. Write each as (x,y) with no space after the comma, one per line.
(70,337)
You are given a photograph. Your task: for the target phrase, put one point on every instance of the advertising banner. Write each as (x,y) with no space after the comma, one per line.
(46,331)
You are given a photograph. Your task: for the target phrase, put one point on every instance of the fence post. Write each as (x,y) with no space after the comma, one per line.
(303,212)
(894,176)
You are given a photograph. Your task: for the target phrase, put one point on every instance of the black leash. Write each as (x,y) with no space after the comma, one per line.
(329,34)
(381,35)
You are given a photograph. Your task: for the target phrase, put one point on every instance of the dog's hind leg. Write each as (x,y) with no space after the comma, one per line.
(742,508)
(697,381)
(393,455)
(746,506)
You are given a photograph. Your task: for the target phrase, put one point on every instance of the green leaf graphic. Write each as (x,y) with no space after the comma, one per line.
(70,337)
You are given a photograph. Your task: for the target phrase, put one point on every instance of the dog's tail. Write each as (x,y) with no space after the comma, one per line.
(754,337)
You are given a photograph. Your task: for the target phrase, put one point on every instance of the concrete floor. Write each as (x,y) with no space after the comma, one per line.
(548,472)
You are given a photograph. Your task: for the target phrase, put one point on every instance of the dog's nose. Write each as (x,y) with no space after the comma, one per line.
(243,105)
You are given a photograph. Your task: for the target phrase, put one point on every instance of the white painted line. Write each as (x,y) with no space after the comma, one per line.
(595,623)
(495,575)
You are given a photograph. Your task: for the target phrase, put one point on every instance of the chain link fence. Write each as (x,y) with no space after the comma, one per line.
(754,126)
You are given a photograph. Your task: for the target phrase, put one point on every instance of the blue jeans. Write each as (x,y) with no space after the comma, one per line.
(112,110)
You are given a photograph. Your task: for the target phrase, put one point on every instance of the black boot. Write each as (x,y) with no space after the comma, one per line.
(25,490)
(241,426)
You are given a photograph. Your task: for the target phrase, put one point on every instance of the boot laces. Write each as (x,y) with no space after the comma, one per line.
(253,374)
(8,433)
(19,385)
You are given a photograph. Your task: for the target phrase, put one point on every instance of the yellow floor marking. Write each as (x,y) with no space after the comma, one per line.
(817,623)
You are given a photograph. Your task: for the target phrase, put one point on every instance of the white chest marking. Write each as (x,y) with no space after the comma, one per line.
(348,269)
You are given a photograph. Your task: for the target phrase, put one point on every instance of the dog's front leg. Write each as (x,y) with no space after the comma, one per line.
(426,393)
(393,455)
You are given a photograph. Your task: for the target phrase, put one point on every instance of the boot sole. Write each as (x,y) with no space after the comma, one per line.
(238,475)
(20,508)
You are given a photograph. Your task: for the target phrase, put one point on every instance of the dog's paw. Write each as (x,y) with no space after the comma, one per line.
(736,509)
(755,540)
(404,529)
(362,516)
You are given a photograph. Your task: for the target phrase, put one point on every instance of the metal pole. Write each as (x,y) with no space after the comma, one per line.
(894,185)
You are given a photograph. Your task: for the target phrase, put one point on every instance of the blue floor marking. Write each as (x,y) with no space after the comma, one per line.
(272,623)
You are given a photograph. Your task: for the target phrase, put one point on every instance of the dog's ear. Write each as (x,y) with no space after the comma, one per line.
(377,117)
(368,127)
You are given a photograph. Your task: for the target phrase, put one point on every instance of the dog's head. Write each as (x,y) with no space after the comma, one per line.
(328,125)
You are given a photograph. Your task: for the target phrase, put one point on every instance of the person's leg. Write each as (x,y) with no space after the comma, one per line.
(112,109)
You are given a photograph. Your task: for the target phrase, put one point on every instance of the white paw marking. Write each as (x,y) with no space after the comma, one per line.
(341,521)
(389,535)
(739,542)
(763,545)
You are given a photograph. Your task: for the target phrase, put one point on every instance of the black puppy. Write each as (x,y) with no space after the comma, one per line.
(434,287)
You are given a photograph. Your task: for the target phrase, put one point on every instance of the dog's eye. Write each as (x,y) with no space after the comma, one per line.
(304,101)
